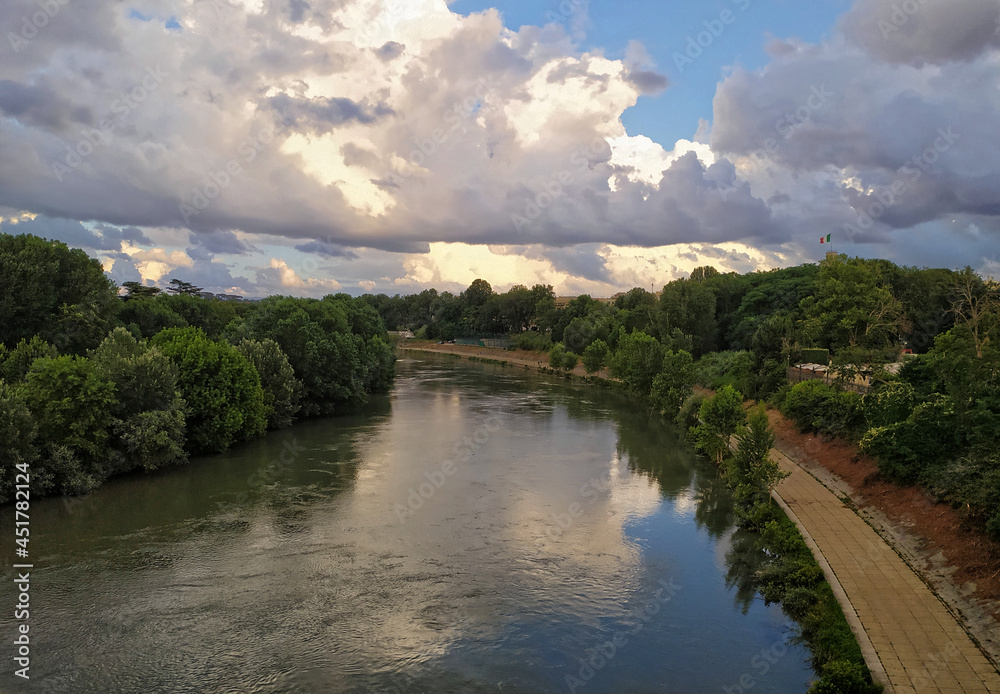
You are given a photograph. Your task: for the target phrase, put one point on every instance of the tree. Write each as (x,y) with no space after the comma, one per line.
(17,443)
(754,473)
(720,416)
(637,360)
(689,306)
(277,377)
(73,405)
(139,291)
(177,286)
(14,366)
(478,293)
(50,290)
(853,307)
(221,388)
(595,356)
(674,383)
(148,430)
(976,303)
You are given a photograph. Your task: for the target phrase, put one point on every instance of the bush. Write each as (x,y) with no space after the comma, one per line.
(221,388)
(806,401)
(556,356)
(534,341)
(907,450)
(972,484)
(717,369)
(595,356)
(690,410)
(889,403)
(844,677)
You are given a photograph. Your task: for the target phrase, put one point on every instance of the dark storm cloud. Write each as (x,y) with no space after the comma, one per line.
(322,114)
(648,82)
(919,31)
(223,242)
(329,250)
(40,105)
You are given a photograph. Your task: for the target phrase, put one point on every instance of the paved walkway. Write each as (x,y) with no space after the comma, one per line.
(911,642)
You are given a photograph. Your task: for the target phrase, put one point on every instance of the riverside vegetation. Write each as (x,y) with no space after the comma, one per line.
(93,384)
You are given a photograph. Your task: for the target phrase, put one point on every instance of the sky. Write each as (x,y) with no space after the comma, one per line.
(306,147)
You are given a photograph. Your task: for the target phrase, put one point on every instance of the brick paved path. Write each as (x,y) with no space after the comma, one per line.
(912,643)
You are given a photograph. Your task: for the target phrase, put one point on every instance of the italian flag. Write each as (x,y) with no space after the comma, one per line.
(824,239)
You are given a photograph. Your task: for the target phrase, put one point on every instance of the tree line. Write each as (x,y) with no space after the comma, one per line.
(94,384)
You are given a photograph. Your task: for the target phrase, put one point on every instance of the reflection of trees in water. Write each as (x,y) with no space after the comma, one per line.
(744,560)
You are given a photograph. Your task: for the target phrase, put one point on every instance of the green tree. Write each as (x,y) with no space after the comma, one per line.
(148,430)
(177,286)
(17,443)
(281,389)
(221,388)
(853,306)
(674,384)
(47,289)
(753,472)
(73,405)
(637,361)
(595,356)
(16,363)
(688,306)
(720,416)
(137,290)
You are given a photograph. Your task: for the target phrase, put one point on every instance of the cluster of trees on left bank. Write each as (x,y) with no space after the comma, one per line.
(93,384)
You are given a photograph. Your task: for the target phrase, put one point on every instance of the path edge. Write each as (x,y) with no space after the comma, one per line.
(864,643)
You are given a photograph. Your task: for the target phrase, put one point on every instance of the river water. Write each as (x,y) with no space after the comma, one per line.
(481,529)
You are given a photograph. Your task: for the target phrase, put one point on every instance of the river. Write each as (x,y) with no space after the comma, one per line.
(480,529)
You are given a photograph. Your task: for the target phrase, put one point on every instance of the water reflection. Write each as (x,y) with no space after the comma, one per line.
(540,520)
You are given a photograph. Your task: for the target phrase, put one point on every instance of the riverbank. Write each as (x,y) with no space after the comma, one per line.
(952,560)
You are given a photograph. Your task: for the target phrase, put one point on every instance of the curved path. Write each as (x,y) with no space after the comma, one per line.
(910,640)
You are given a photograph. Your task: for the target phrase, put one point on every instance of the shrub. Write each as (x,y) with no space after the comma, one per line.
(690,410)
(806,401)
(720,416)
(906,450)
(556,355)
(889,403)
(534,341)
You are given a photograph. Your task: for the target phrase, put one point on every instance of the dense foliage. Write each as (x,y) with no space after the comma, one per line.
(94,384)
(784,570)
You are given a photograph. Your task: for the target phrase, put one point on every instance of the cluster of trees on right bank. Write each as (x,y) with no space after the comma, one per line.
(933,423)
